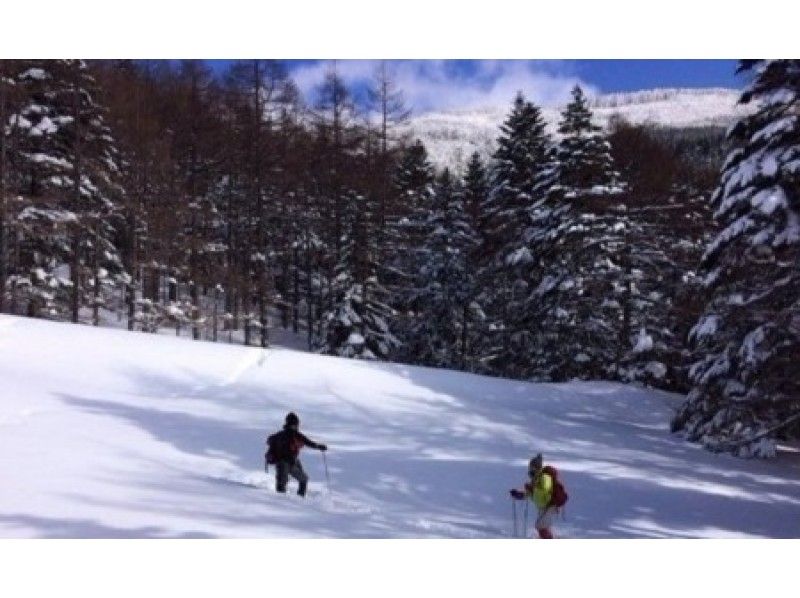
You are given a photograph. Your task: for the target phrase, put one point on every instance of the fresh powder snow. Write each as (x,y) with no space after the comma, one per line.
(112,434)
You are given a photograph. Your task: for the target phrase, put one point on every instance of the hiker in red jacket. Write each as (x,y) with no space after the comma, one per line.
(546,492)
(284,450)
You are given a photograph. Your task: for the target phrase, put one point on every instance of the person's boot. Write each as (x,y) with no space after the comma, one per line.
(302,490)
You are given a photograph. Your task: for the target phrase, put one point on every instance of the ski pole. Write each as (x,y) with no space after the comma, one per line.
(514,516)
(327,475)
(525,519)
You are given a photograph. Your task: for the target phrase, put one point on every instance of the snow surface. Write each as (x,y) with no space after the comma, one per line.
(106,433)
(644,342)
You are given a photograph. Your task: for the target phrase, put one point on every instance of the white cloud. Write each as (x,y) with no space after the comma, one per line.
(431,85)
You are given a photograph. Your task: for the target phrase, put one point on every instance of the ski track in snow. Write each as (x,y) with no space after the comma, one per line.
(165,438)
(254,358)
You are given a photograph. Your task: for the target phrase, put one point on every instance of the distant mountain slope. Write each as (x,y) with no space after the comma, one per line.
(453,135)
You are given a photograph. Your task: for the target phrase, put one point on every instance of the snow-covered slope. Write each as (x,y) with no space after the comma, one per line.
(106,433)
(451,137)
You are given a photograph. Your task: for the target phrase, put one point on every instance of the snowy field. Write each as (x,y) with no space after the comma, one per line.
(111,434)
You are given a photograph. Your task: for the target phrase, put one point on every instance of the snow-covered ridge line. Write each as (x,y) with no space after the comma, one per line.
(451,136)
(660,94)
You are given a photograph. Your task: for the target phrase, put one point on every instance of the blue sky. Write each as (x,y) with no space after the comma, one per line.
(451,84)
(629,75)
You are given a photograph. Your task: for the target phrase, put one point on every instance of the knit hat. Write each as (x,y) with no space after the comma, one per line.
(292,419)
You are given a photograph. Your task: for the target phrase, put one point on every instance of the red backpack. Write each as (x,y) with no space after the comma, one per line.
(559,497)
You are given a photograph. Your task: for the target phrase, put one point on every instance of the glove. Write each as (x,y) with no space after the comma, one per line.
(323,447)
(517,494)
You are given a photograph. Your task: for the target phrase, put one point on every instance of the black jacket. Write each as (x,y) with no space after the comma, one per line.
(287,443)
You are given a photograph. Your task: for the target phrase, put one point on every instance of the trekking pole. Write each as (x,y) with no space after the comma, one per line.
(525,519)
(514,516)
(327,475)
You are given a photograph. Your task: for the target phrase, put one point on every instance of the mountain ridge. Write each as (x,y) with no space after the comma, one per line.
(451,136)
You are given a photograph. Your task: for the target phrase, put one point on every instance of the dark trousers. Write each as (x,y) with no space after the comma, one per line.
(284,469)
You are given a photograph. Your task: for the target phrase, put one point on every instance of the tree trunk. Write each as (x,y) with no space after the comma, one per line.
(246,312)
(96,290)
(3,207)
(75,275)
(296,294)
(195,294)
(216,313)
(133,269)
(76,242)
(464,325)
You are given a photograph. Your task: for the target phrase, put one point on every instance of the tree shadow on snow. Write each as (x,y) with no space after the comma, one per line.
(54,527)
(452,455)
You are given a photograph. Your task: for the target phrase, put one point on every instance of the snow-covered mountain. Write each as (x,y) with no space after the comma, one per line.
(452,136)
(107,433)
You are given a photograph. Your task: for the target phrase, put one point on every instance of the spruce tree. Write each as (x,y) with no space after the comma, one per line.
(664,243)
(446,285)
(746,392)
(8,135)
(357,325)
(519,180)
(69,170)
(407,230)
(580,256)
(475,190)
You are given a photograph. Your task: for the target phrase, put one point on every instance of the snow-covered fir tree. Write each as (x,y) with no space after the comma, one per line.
(446,285)
(746,392)
(8,135)
(358,323)
(664,243)
(67,165)
(520,177)
(579,240)
(476,188)
(406,232)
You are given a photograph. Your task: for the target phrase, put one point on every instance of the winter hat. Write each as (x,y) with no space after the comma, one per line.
(292,419)
(536,463)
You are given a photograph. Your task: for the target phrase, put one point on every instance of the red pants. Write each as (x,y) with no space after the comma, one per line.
(545,533)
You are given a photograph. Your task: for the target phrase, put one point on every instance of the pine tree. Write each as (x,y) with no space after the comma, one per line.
(664,242)
(670,222)
(585,163)
(357,325)
(580,252)
(746,393)
(476,188)
(407,229)
(519,180)
(68,165)
(446,285)
(8,137)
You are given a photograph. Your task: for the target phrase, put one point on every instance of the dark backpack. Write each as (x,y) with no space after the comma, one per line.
(279,448)
(269,456)
(276,448)
(559,497)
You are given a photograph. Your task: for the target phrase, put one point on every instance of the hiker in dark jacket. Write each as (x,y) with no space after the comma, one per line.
(284,450)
